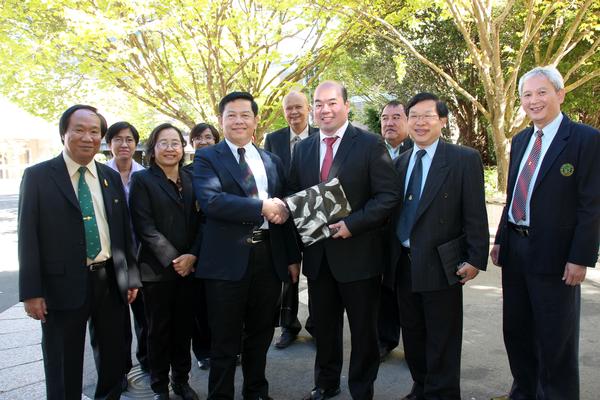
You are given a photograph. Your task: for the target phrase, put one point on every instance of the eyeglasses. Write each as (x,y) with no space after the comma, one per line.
(163,145)
(119,140)
(425,117)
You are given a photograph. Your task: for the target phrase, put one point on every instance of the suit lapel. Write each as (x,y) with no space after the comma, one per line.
(519,152)
(435,177)
(343,151)
(556,147)
(61,177)
(230,163)
(313,167)
(285,142)
(107,194)
(163,182)
(401,167)
(271,171)
(186,182)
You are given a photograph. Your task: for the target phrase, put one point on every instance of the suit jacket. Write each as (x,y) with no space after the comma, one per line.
(565,202)
(231,215)
(451,214)
(166,225)
(52,249)
(278,142)
(366,172)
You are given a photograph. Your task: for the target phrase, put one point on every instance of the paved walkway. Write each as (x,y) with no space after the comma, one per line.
(485,370)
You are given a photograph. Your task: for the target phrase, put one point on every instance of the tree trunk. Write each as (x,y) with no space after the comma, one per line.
(502,149)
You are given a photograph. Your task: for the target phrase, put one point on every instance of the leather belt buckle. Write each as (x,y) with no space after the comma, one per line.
(258,236)
(520,229)
(98,266)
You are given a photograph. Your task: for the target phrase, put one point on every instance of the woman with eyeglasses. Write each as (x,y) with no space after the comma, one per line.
(166,221)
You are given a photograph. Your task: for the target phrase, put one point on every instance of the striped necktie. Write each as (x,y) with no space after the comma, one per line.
(522,186)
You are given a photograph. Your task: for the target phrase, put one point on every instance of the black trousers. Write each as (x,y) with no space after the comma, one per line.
(432,324)
(240,316)
(63,341)
(141,333)
(169,308)
(287,310)
(200,329)
(360,299)
(541,328)
(388,323)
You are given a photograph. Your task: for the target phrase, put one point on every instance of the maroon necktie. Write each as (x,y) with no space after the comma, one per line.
(328,160)
(522,187)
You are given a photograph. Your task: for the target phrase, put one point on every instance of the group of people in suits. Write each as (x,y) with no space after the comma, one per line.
(226,223)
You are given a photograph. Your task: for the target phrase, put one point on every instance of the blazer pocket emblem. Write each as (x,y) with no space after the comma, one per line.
(567,169)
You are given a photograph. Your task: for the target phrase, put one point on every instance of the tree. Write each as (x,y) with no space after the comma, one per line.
(550,30)
(178,57)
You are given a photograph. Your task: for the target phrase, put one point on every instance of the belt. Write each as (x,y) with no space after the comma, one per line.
(258,236)
(520,229)
(99,265)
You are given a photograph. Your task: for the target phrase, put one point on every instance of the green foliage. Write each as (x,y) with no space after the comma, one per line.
(372,120)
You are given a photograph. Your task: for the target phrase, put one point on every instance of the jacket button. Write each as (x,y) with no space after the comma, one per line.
(445,195)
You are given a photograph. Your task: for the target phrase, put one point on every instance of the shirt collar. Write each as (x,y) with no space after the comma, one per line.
(430,150)
(302,135)
(339,133)
(234,148)
(550,129)
(73,167)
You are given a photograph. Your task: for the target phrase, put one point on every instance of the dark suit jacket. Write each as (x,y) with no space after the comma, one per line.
(565,207)
(165,226)
(231,215)
(52,253)
(278,142)
(452,212)
(366,172)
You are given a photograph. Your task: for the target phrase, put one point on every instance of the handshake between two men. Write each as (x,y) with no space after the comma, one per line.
(275,211)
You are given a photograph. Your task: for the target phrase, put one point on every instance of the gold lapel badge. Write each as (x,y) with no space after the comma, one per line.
(105,182)
(567,169)
(87,218)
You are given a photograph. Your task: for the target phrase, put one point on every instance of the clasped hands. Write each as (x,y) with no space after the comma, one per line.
(275,211)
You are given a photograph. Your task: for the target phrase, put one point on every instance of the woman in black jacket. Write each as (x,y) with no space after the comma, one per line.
(166,220)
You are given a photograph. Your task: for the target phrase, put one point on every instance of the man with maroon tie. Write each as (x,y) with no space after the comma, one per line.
(547,238)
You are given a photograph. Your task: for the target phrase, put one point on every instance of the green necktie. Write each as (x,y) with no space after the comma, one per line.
(92,236)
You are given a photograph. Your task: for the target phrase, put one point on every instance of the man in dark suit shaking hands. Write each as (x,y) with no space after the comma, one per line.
(76,258)
(344,271)
(439,240)
(248,249)
(546,239)
(282,143)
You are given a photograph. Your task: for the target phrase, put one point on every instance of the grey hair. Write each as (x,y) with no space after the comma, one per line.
(549,72)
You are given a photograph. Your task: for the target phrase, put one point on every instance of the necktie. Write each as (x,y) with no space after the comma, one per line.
(411,199)
(92,236)
(247,176)
(295,141)
(328,159)
(522,186)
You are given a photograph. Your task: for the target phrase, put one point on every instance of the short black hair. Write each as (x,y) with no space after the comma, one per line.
(153,139)
(440,106)
(201,127)
(393,103)
(117,127)
(63,123)
(233,96)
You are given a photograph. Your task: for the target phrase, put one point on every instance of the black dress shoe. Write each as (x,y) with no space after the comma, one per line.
(161,396)
(204,363)
(286,338)
(322,394)
(185,391)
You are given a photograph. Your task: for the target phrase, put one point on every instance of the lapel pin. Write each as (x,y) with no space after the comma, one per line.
(116,201)
(567,169)
(105,183)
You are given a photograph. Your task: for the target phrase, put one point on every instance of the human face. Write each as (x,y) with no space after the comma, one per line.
(393,124)
(82,139)
(296,109)
(122,145)
(331,112)
(205,139)
(238,122)
(540,100)
(168,149)
(424,124)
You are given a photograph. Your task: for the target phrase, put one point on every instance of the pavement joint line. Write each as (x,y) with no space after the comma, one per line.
(21,387)
(25,363)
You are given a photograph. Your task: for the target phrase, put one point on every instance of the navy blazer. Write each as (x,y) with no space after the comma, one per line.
(231,215)
(451,214)
(365,170)
(166,226)
(278,142)
(52,252)
(565,202)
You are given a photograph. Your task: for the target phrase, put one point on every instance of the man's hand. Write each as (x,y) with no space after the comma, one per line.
(340,230)
(467,272)
(36,308)
(494,254)
(275,211)
(294,271)
(184,264)
(131,295)
(574,274)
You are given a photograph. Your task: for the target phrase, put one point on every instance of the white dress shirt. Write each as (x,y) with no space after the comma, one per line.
(323,147)
(550,131)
